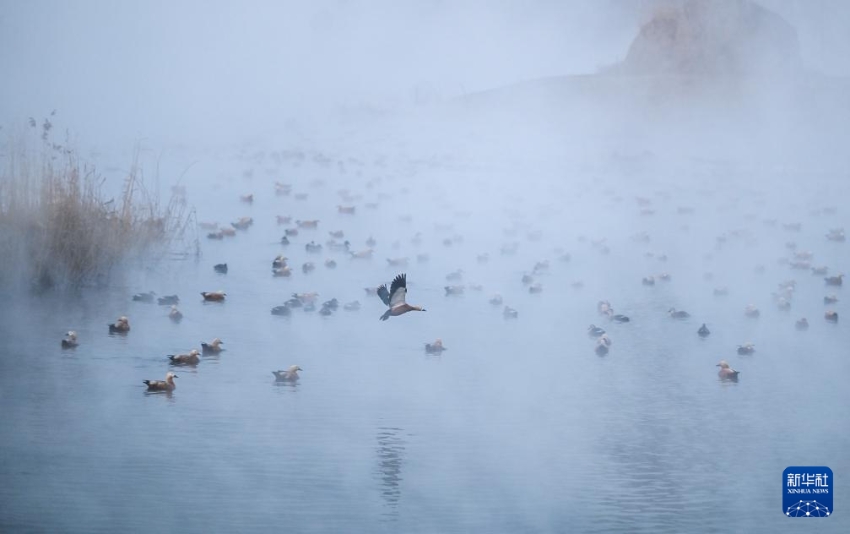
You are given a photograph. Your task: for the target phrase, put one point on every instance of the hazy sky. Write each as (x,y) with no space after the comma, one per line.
(192,70)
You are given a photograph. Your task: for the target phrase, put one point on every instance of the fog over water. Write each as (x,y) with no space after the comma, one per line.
(659,156)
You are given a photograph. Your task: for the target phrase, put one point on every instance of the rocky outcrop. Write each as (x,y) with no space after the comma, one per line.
(705,37)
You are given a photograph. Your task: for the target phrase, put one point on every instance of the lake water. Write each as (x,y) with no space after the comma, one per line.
(517,427)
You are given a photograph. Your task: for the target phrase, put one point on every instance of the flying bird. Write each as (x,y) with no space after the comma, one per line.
(394,298)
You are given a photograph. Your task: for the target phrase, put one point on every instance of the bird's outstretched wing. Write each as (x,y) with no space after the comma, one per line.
(384,294)
(398,290)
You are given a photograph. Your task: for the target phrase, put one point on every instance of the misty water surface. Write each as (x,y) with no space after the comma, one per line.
(518,426)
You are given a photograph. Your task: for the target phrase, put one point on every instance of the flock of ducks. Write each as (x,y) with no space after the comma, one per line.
(782,299)
(394,297)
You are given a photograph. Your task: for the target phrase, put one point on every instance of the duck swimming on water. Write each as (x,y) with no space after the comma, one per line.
(162,385)
(618,317)
(746,348)
(191,358)
(175,314)
(213,347)
(834,280)
(678,314)
(144,297)
(290,375)
(703,331)
(70,340)
(603,344)
(454,290)
(594,331)
(751,311)
(283,310)
(435,347)
(395,298)
(122,325)
(284,271)
(214,296)
(726,372)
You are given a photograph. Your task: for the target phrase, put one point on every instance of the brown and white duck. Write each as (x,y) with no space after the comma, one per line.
(162,385)
(190,358)
(726,372)
(395,298)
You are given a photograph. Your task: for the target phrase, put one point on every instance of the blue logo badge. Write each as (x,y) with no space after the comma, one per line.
(807,491)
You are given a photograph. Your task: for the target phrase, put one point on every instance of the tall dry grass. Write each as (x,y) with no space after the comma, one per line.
(58,228)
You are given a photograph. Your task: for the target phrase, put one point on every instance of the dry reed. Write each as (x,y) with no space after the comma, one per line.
(58,230)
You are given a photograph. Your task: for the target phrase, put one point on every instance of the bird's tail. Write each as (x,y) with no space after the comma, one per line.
(146,382)
(386,315)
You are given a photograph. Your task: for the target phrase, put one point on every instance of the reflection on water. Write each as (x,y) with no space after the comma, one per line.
(167,394)
(390,453)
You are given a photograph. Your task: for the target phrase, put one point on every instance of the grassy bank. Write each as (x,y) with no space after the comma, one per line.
(58,229)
